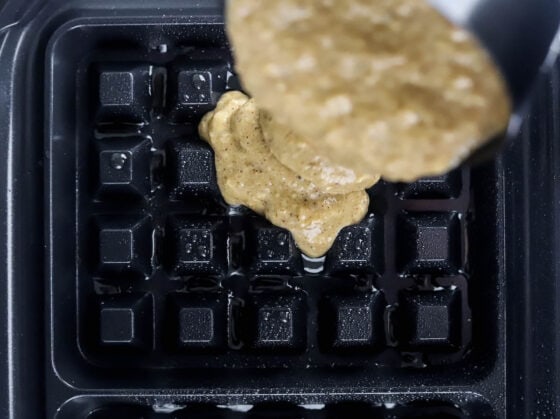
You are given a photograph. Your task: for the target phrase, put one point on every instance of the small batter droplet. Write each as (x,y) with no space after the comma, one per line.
(118,161)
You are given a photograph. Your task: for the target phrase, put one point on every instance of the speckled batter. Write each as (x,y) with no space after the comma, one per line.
(249,174)
(378,86)
(298,155)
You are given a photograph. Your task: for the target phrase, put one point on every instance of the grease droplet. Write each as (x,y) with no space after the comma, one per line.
(118,161)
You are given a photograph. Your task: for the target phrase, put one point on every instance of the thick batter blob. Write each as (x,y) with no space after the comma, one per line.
(375,86)
(298,155)
(249,174)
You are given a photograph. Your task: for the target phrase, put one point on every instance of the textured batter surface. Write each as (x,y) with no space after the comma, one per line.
(379,86)
(298,155)
(250,175)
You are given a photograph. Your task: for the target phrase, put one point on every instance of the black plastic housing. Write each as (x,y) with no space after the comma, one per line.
(131,290)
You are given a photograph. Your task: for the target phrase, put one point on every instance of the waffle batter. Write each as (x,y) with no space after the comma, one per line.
(384,87)
(248,174)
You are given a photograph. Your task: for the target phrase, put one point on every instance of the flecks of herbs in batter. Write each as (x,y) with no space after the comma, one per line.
(249,174)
